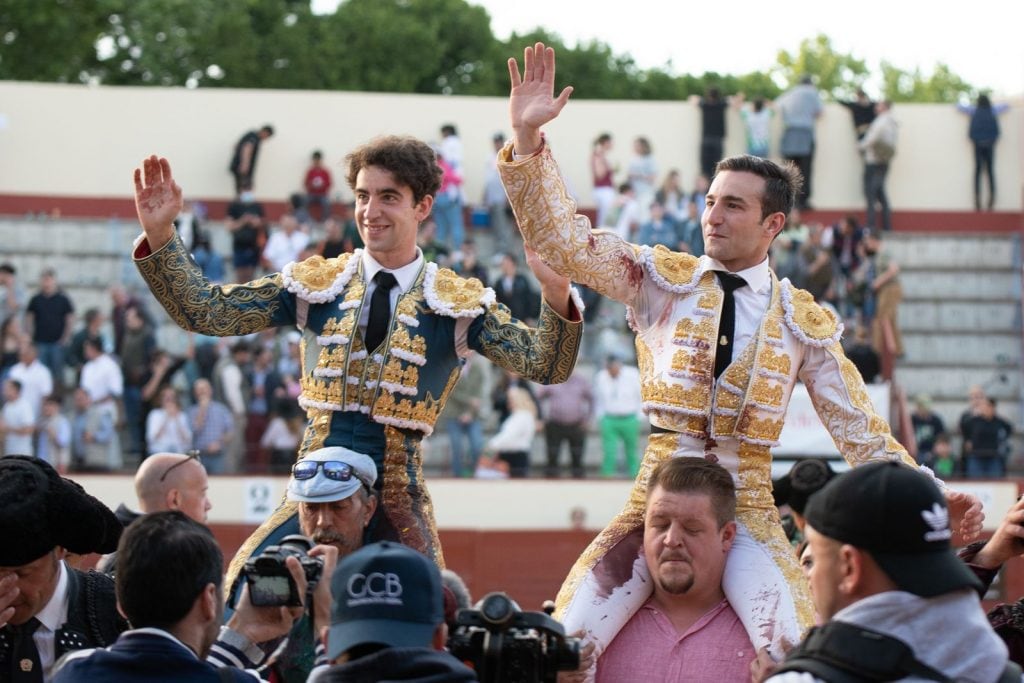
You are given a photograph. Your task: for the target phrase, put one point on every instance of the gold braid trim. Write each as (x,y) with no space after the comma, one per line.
(411,516)
(458,294)
(545,354)
(196,305)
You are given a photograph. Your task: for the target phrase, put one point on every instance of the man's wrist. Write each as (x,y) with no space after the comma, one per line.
(242,643)
(527,142)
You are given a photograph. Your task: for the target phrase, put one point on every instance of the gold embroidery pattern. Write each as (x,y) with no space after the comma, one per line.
(318,428)
(402,339)
(676,267)
(859,432)
(196,305)
(462,294)
(422,414)
(546,354)
(765,528)
(778,363)
(546,215)
(317,273)
(408,505)
(816,322)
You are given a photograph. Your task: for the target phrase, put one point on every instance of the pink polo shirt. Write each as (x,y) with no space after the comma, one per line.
(715,649)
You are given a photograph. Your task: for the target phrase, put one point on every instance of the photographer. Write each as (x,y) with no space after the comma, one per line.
(334,491)
(177,626)
(387,621)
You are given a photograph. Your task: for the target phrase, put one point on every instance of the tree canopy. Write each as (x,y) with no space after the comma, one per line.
(415,46)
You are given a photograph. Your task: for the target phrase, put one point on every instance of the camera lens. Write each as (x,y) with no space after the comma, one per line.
(496,608)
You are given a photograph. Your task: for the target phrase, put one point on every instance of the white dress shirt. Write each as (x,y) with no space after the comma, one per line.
(405,276)
(618,396)
(52,617)
(102,378)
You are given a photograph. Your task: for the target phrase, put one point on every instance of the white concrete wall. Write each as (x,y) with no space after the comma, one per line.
(84,141)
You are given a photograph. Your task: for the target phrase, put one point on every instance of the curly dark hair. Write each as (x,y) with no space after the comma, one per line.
(411,161)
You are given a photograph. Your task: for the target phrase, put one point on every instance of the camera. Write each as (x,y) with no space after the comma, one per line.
(270,582)
(506,645)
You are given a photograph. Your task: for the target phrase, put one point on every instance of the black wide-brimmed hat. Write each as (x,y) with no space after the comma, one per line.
(40,510)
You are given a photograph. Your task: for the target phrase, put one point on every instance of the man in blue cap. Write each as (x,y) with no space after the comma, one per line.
(387,621)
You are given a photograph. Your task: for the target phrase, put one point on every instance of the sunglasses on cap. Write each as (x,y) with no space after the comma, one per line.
(335,470)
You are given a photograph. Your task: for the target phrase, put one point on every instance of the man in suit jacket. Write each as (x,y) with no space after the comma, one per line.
(178,634)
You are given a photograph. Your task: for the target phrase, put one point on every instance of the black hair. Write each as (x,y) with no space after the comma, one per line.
(165,560)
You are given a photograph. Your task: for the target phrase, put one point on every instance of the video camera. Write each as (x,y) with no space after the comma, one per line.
(270,582)
(506,645)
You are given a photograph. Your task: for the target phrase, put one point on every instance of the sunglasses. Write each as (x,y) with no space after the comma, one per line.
(192,455)
(333,469)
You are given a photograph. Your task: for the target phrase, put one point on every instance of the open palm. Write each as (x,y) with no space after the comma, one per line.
(157,200)
(532,101)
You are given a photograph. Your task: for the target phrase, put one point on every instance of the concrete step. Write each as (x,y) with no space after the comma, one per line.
(954,251)
(1002,384)
(960,316)
(963,285)
(962,349)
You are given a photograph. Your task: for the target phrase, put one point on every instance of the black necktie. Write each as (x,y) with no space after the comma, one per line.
(25,664)
(727,323)
(380,309)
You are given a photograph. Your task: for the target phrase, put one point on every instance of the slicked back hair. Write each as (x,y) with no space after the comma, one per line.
(781,182)
(697,475)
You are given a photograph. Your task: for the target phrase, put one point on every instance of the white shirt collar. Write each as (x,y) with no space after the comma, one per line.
(757,277)
(55,613)
(406,275)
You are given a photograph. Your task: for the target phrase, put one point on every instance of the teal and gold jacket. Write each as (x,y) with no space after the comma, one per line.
(379,401)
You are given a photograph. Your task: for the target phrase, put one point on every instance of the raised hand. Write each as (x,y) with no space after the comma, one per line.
(157,200)
(532,101)
(553,287)
(965,516)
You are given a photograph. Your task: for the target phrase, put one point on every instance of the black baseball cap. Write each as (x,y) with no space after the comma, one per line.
(899,516)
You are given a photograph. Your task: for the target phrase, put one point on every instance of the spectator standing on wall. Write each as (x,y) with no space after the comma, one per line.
(712,117)
(757,120)
(800,107)
(879,147)
(984,133)
(243,161)
(862,109)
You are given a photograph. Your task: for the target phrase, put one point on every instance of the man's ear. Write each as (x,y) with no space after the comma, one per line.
(209,599)
(424,207)
(371,507)
(172,499)
(774,223)
(851,568)
(728,535)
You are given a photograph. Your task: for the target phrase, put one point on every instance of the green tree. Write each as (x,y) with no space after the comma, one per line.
(836,74)
(941,86)
(50,40)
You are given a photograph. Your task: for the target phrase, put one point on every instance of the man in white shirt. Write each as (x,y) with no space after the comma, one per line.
(18,421)
(101,376)
(36,379)
(285,245)
(618,407)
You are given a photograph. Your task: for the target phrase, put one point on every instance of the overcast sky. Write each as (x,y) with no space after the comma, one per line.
(980,40)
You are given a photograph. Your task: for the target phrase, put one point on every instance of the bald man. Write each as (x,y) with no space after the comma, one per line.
(166,481)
